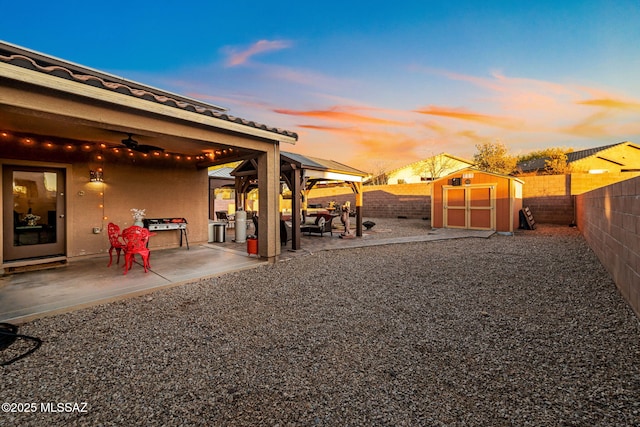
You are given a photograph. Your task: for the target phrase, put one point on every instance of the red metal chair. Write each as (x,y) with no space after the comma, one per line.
(136,239)
(116,242)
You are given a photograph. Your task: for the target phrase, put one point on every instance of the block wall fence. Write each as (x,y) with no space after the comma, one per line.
(381,201)
(549,197)
(609,220)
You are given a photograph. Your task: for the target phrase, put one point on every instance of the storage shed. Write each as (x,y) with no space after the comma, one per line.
(476,200)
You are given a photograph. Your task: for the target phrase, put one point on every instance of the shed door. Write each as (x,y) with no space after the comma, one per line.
(471,207)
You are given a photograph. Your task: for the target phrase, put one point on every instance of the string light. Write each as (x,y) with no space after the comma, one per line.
(99,146)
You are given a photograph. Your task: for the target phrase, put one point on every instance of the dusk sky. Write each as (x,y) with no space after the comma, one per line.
(372,84)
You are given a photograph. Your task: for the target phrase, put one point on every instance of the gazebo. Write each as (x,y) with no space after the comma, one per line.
(301,173)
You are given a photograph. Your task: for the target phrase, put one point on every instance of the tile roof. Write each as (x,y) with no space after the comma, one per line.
(21,57)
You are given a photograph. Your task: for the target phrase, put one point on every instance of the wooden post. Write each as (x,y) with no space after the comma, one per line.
(269,191)
(296,182)
(357,188)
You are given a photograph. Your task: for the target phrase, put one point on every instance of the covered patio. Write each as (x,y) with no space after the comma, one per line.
(80,148)
(300,174)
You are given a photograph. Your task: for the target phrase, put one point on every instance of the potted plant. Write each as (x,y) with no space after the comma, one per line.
(138,216)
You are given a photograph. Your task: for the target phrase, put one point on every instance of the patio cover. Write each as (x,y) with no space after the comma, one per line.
(301,173)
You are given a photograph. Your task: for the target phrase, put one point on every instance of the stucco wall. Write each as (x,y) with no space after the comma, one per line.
(613,160)
(163,188)
(162,191)
(609,219)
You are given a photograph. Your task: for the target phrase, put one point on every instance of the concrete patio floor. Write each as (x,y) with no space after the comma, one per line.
(82,283)
(33,294)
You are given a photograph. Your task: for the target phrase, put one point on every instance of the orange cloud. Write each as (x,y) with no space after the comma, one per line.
(239,58)
(611,103)
(337,114)
(496,121)
(591,126)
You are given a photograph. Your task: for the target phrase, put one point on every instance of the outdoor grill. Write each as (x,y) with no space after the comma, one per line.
(166,224)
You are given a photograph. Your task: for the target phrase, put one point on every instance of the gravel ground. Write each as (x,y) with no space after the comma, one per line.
(512,330)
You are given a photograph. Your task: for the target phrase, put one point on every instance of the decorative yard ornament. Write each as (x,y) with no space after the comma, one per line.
(344,217)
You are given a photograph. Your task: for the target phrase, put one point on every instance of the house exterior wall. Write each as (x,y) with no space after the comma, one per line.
(622,157)
(164,190)
(609,220)
(414,173)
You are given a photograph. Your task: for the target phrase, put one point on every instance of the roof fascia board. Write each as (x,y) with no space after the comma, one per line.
(474,170)
(78,89)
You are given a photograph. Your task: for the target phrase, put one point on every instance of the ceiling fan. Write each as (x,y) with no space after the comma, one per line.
(132,144)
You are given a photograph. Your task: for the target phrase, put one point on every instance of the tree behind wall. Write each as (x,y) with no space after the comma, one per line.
(494,157)
(557,163)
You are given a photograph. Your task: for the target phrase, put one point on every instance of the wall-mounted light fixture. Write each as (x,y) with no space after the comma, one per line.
(96,176)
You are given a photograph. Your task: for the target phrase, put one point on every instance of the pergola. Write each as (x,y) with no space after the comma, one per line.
(301,174)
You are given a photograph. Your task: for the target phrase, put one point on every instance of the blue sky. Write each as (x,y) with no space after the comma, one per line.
(372,84)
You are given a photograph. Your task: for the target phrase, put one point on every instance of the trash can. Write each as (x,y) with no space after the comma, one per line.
(211,233)
(219,232)
(252,246)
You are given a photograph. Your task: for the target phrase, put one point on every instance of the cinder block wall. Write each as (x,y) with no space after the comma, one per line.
(549,198)
(381,201)
(583,182)
(609,220)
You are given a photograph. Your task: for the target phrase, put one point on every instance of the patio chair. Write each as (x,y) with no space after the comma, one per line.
(222,216)
(136,239)
(321,224)
(116,242)
(285,232)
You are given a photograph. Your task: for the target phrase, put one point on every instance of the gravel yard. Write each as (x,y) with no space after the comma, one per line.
(511,330)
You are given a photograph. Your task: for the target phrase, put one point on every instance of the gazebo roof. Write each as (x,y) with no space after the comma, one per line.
(314,169)
(322,169)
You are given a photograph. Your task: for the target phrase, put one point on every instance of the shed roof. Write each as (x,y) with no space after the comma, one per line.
(476,170)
